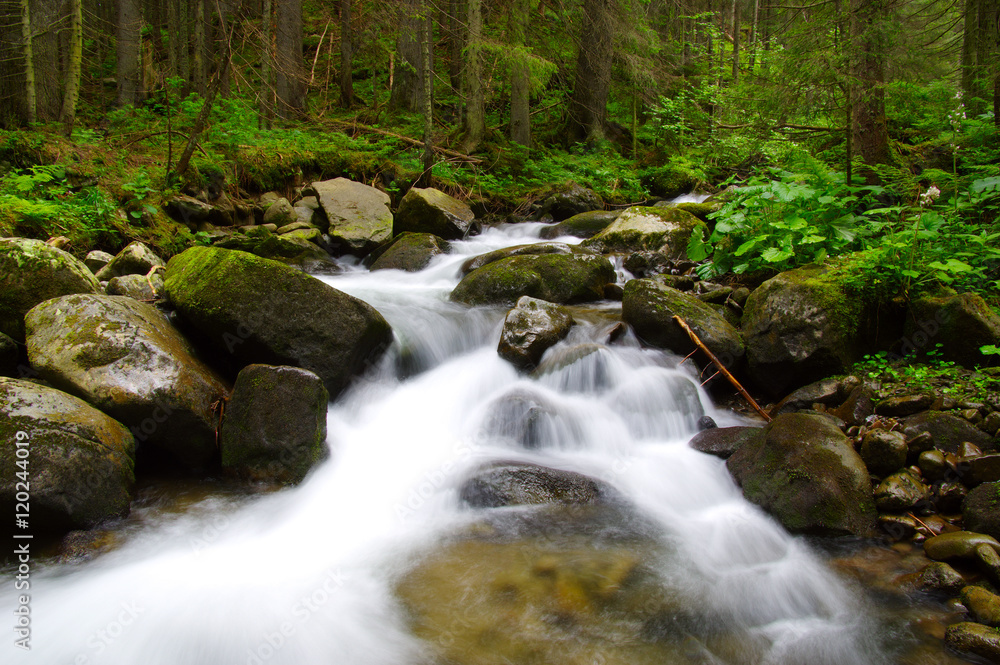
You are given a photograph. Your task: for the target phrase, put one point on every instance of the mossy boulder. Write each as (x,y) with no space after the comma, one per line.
(432,211)
(96,259)
(280,213)
(666,230)
(957,545)
(252,310)
(293,251)
(558,278)
(571,200)
(275,424)
(411,252)
(974,638)
(123,357)
(981,509)
(135,259)
(983,605)
(516,483)
(529,329)
(960,323)
(947,431)
(81,462)
(32,272)
(582,225)
(649,307)
(804,325)
(532,249)
(804,471)
(141,287)
(359,215)
(700,210)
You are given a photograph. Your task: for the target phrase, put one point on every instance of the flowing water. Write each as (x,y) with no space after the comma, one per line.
(308,575)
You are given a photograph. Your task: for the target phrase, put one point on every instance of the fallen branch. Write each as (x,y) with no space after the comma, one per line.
(725,372)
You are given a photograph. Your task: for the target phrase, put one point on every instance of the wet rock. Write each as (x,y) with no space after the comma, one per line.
(981,469)
(939,576)
(359,215)
(974,638)
(932,465)
(919,443)
(904,405)
(649,307)
(533,249)
(647,264)
(32,272)
(960,324)
(123,357)
(991,424)
(524,417)
(432,211)
(135,259)
(982,605)
(828,392)
(573,200)
(280,213)
(514,483)
(582,225)
(297,226)
(948,497)
(981,509)
(706,422)
(805,472)
(141,287)
(81,462)
(251,310)
(275,424)
(883,452)
(724,441)
(411,252)
(97,259)
(897,527)
(957,545)
(530,329)
(857,408)
(558,278)
(948,431)
(666,230)
(900,492)
(989,562)
(297,253)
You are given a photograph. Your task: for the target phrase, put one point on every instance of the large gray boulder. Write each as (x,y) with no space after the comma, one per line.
(558,278)
(359,215)
(123,357)
(960,323)
(32,272)
(80,462)
(530,329)
(410,252)
(665,230)
(252,310)
(432,211)
(275,424)
(649,307)
(804,471)
(135,259)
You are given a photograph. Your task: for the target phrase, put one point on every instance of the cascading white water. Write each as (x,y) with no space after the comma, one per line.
(304,576)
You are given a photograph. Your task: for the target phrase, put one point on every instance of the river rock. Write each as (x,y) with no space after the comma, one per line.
(533,249)
(280,213)
(960,324)
(141,287)
(948,431)
(939,576)
(432,211)
(123,357)
(829,392)
(649,307)
(530,329)
(299,253)
(582,225)
(516,483)
(900,492)
(857,408)
(251,310)
(32,272)
(275,424)
(981,509)
(974,638)
(558,278)
(957,545)
(724,441)
(135,259)
(883,451)
(805,472)
(666,230)
(982,605)
(97,259)
(359,215)
(572,200)
(411,252)
(903,405)
(526,418)
(190,211)
(81,463)
(949,496)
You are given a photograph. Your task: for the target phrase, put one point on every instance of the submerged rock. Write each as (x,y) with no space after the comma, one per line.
(81,463)
(432,211)
(516,483)
(558,278)
(530,329)
(974,638)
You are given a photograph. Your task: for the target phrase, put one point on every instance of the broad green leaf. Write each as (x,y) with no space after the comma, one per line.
(775,255)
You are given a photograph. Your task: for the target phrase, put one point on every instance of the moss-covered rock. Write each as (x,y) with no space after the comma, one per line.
(974,638)
(666,230)
(883,451)
(275,424)
(947,431)
(251,310)
(359,215)
(957,545)
(649,307)
(32,272)
(124,357)
(983,605)
(960,323)
(805,472)
(135,259)
(516,483)
(81,462)
(981,509)
(411,252)
(530,329)
(939,576)
(571,199)
(532,249)
(97,259)
(558,278)
(582,225)
(141,287)
(432,211)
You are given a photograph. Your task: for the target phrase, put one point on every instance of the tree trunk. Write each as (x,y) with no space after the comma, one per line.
(198,60)
(128,45)
(589,101)
(407,82)
(427,177)
(184,40)
(45,23)
(520,100)
(736,40)
(346,55)
(753,35)
(68,115)
(970,51)
(455,44)
(266,59)
(173,40)
(29,62)
(289,82)
(475,118)
(870,44)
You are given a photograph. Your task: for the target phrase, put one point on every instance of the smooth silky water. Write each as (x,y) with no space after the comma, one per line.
(375,560)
